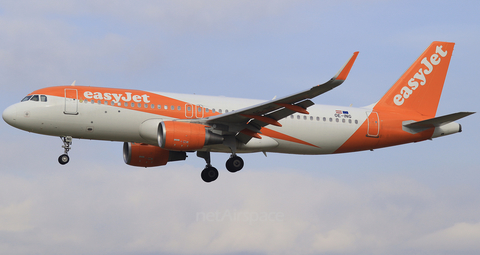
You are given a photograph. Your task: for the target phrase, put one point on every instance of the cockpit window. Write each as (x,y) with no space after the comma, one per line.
(26,98)
(36,98)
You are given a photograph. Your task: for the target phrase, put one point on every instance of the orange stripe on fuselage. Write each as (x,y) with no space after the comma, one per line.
(129,96)
(278,135)
(390,134)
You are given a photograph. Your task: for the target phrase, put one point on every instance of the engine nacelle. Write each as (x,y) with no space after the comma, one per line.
(184,136)
(145,155)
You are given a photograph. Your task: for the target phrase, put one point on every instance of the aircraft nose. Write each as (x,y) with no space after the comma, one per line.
(10,115)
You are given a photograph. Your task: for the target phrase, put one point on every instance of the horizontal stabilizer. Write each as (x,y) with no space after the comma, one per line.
(438,121)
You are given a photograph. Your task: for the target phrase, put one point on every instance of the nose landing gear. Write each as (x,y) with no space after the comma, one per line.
(64,158)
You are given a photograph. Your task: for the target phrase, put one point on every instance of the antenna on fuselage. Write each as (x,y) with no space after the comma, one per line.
(73,84)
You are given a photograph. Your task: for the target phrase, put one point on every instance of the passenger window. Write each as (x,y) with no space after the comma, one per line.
(112,103)
(337,120)
(298,117)
(305,117)
(324,119)
(206,109)
(26,98)
(311,117)
(356,121)
(159,107)
(92,101)
(152,106)
(126,104)
(318,118)
(199,109)
(213,110)
(165,107)
(350,121)
(43,98)
(343,120)
(132,104)
(146,105)
(330,119)
(34,98)
(291,117)
(220,110)
(179,108)
(172,107)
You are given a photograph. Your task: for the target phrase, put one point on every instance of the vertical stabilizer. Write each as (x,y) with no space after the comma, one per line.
(420,87)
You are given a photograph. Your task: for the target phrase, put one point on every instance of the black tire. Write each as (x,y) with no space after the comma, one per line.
(63,159)
(234,164)
(209,174)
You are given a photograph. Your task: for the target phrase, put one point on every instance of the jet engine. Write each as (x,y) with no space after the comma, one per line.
(184,136)
(145,155)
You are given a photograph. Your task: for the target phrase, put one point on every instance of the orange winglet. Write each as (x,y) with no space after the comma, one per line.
(294,108)
(251,133)
(342,75)
(263,119)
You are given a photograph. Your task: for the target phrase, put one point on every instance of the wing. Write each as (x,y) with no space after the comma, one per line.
(246,123)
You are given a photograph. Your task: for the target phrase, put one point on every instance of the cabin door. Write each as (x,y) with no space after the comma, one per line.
(71,102)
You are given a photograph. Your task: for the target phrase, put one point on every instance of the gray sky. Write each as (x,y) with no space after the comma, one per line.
(418,198)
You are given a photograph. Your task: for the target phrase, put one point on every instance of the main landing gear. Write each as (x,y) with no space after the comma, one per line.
(64,158)
(210,173)
(234,163)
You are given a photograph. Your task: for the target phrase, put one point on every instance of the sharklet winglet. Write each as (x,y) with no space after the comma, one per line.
(345,70)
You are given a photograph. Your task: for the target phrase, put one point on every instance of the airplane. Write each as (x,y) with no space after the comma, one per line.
(157,128)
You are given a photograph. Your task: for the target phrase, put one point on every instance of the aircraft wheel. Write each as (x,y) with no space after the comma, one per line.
(209,174)
(234,164)
(63,159)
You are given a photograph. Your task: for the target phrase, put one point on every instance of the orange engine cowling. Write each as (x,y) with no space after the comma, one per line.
(184,136)
(145,155)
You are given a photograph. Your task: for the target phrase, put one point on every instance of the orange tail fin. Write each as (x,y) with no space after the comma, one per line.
(420,87)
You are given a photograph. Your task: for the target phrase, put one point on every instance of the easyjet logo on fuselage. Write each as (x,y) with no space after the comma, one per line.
(117,97)
(420,76)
